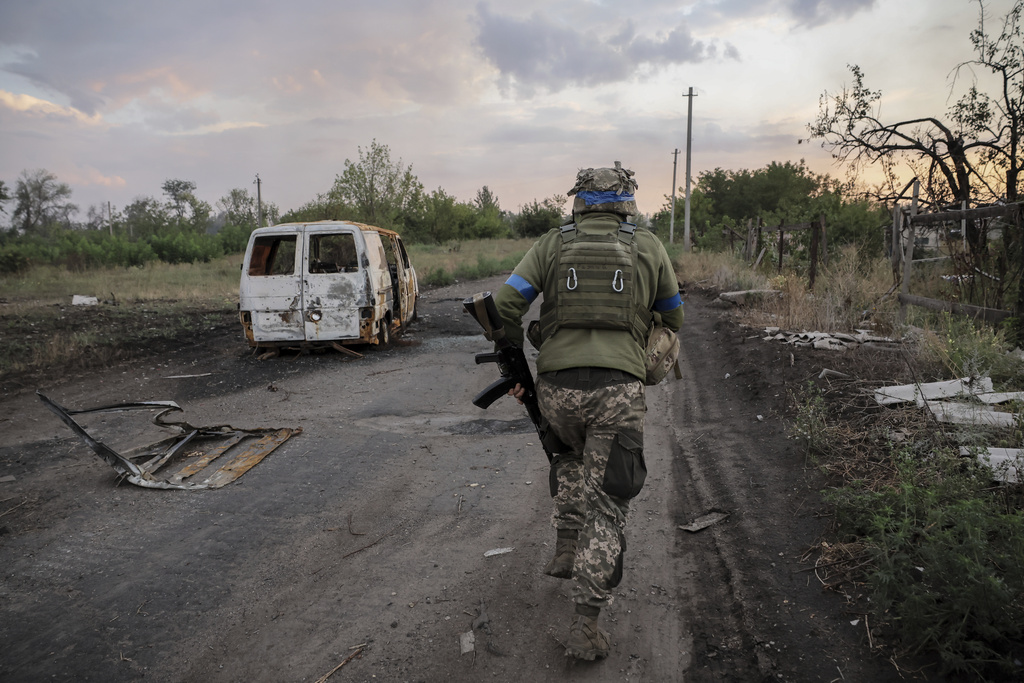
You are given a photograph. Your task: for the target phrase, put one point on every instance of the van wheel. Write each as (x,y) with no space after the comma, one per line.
(384,334)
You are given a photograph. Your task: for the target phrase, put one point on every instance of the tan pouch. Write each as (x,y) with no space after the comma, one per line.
(662,355)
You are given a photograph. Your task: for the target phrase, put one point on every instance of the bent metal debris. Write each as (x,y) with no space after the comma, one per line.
(190,458)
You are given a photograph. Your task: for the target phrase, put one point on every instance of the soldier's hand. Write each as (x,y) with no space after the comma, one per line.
(517,392)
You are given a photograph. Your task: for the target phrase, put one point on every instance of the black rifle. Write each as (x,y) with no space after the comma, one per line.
(514,370)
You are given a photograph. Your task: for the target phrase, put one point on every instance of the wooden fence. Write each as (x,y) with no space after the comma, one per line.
(756,242)
(904,228)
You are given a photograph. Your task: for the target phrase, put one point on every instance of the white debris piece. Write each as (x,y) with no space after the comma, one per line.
(498,551)
(1001,397)
(917,393)
(467,642)
(830,341)
(1007,463)
(969,414)
(80,300)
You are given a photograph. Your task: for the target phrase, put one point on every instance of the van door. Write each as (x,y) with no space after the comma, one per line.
(271,290)
(334,284)
(379,277)
(402,281)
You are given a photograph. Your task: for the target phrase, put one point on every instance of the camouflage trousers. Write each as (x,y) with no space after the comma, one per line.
(599,415)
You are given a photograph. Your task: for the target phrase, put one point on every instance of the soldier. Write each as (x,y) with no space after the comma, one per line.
(605,282)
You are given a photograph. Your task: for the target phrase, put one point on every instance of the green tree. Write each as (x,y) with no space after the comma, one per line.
(489,221)
(192,213)
(771,193)
(376,189)
(326,207)
(701,213)
(439,220)
(180,194)
(144,217)
(41,203)
(536,218)
(239,209)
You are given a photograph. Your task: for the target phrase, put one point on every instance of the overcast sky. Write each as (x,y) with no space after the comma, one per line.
(116,96)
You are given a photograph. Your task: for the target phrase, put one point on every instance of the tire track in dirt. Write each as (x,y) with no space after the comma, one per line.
(758,612)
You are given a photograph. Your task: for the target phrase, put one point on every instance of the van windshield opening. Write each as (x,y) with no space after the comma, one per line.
(273,255)
(333,253)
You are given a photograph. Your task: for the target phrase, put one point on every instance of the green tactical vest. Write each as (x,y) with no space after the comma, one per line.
(595,285)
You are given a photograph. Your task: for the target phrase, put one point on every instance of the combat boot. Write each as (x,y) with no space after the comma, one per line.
(586,639)
(560,565)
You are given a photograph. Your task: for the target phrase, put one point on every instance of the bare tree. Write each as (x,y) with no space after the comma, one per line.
(971,156)
(5,196)
(997,122)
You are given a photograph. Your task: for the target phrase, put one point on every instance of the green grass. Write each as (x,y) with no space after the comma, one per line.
(439,265)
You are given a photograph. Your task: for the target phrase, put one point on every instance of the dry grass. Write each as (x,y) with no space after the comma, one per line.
(216,281)
(849,294)
(452,256)
(720,271)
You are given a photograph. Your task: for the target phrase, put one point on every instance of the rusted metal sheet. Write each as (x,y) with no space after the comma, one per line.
(193,458)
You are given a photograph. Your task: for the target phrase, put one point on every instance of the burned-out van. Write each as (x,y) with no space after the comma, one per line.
(325,283)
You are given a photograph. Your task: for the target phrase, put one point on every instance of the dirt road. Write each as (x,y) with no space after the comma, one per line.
(363,540)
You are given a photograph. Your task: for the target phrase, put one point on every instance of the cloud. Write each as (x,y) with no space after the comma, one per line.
(811,13)
(27,104)
(540,53)
(801,13)
(91,176)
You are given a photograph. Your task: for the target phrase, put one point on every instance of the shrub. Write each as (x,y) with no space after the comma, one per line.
(947,572)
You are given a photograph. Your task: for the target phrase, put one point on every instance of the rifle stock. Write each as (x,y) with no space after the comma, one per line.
(511,362)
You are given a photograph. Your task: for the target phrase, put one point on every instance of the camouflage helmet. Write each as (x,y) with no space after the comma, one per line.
(604,189)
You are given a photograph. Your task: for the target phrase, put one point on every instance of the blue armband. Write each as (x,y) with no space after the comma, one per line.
(520,284)
(671,303)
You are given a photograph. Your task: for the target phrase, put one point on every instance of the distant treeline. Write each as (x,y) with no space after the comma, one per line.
(181,228)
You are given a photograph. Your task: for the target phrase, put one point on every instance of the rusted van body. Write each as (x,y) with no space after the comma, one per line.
(325,283)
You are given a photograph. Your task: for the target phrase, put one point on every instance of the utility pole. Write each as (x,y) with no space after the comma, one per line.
(689,136)
(259,203)
(672,216)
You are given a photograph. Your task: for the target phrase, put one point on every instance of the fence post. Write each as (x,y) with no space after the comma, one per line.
(748,247)
(908,255)
(908,259)
(824,241)
(895,249)
(1018,310)
(815,231)
(781,243)
(757,242)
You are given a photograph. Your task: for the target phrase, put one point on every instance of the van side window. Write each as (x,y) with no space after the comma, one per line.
(273,255)
(334,253)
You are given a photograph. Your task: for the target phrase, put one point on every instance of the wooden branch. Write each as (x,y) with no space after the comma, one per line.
(989,315)
(1010,210)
